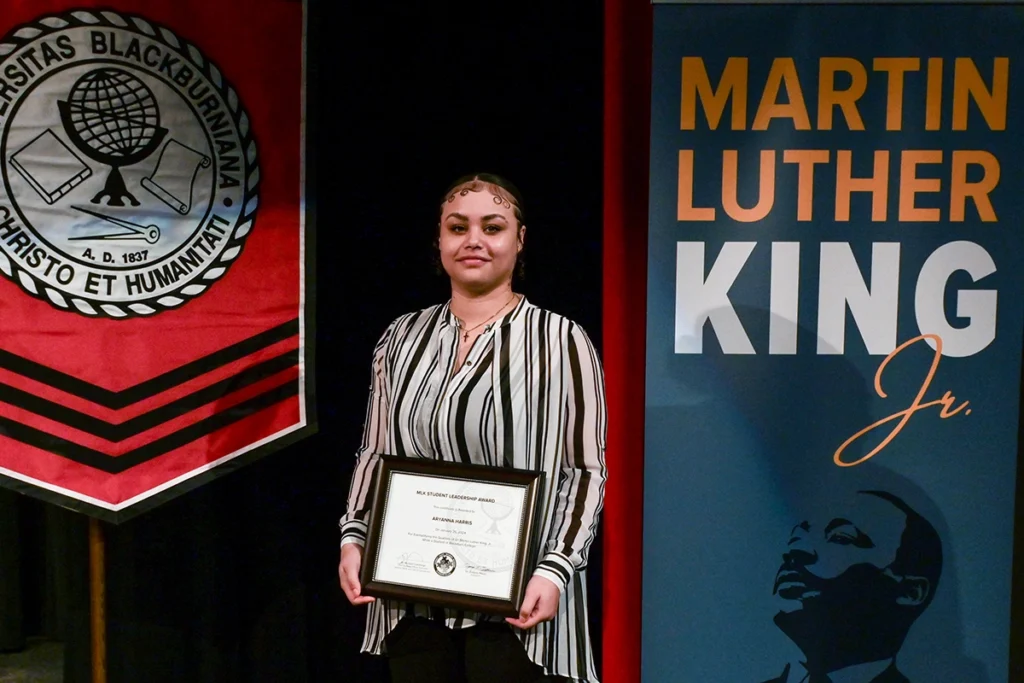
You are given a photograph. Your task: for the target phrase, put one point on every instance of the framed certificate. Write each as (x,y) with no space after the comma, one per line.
(451,535)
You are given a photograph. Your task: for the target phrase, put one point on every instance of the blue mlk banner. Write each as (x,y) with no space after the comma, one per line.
(834,343)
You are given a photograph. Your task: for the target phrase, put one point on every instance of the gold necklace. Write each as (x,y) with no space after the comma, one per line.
(465,333)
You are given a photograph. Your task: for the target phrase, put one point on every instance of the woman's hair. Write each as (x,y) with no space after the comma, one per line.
(500,187)
(503,191)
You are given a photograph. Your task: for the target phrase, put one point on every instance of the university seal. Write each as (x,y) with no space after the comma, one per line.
(129,168)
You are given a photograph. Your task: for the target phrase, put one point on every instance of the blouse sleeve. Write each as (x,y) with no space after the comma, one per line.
(580,493)
(375,437)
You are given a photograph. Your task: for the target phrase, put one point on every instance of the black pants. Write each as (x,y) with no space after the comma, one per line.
(424,651)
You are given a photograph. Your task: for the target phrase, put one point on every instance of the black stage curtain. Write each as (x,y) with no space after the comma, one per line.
(12,609)
(43,573)
(236,582)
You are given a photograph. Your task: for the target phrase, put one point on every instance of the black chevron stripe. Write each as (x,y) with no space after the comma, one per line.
(157,416)
(126,397)
(121,463)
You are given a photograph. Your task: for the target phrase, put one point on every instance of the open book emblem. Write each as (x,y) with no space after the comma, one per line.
(49,166)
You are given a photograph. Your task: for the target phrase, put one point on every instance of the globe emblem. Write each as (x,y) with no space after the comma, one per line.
(497,511)
(112,117)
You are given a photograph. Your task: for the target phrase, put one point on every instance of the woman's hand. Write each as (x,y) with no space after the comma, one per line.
(348,572)
(539,604)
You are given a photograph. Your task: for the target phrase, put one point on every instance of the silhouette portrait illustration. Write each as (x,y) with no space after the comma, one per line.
(852,581)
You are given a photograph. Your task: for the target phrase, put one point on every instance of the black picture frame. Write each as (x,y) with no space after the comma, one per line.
(383,505)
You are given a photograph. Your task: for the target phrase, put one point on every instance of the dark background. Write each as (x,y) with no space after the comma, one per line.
(237,581)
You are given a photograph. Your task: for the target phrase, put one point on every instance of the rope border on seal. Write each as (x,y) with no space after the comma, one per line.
(21,35)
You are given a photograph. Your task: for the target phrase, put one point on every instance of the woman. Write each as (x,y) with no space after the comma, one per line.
(488,378)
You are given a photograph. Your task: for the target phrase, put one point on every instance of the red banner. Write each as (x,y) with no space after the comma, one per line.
(153,254)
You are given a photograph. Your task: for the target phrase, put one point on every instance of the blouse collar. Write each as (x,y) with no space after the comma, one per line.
(448,318)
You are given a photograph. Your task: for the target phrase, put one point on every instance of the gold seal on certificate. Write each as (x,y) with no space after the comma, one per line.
(450,534)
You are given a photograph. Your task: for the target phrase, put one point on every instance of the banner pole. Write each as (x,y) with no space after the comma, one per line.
(97,601)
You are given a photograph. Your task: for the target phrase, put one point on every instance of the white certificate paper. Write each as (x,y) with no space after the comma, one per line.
(450,534)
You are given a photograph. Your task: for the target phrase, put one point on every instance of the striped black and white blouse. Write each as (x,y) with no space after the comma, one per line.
(530,395)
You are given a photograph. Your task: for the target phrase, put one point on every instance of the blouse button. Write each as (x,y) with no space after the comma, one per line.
(469,363)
